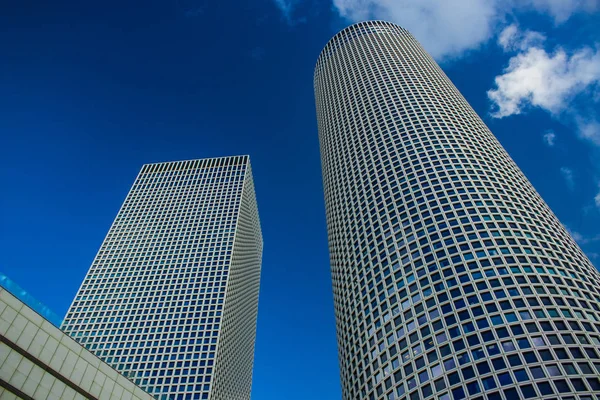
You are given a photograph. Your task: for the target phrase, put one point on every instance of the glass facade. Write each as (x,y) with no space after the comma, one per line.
(452,278)
(171,298)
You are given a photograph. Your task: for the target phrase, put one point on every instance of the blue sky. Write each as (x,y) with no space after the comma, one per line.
(91,91)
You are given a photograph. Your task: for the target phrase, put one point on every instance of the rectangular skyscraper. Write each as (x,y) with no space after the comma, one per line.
(171,298)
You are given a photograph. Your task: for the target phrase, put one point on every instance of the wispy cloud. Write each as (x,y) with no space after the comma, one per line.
(578,237)
(287,8)
(549,138)
(449,28)
(561,10)
(597,199)
(512,38)
(192,8)
(568,176)
(588,128)
(583,239)
(194,12)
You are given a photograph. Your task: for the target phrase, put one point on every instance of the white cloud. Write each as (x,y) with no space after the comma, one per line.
(588,129)
(537,78)
(286,7)
(449,28)
(561,10)
(507,36)
(582,239)
(440,25)
(549,138)
(578,237)
(511,38)
(550,81)
(567,174)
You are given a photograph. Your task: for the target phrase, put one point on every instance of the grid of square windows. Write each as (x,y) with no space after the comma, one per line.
(156,297)
(452,278)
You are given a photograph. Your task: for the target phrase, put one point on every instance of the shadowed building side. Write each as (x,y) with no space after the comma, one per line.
(235,356)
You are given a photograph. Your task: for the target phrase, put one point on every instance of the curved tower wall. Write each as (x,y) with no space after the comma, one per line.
(452,278)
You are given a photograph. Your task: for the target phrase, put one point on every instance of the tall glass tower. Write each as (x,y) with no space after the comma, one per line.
(452,278)
(171,298)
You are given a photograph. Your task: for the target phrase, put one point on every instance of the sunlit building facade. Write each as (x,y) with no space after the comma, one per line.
(452,278)
(171,298)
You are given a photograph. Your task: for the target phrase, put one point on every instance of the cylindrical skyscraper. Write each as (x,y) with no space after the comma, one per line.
(452,278)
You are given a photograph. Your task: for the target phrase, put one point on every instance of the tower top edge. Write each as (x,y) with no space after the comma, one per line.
(242,159)
(354,30)
(246,156)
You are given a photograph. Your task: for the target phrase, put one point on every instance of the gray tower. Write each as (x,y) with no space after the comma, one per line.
(171,298)
(452,278)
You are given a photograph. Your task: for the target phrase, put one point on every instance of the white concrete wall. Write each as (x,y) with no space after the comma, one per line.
(26,329)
